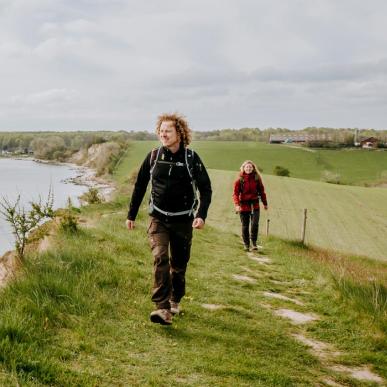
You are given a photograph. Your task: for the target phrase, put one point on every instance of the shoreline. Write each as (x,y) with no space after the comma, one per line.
(85,176)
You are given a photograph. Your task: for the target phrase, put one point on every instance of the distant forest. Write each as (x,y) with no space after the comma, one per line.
(56,145)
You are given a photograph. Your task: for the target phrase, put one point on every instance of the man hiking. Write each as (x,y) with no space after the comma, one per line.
(175,174)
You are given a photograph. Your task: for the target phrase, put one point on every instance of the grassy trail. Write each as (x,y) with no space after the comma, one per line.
(78,314)
(82,311)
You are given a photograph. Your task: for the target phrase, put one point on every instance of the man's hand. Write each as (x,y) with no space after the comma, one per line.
(130,224)
(265,207)
(198,223)
(237,208)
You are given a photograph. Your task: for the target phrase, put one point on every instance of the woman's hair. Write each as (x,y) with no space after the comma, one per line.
(255,169)
(181,126)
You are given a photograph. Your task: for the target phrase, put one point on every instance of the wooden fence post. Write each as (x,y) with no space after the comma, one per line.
(303,229)
(267,227)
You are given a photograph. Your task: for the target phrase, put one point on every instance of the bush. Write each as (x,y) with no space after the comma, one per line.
(68,221)
(48,148)
(281,171)
(23,222)
(92,196)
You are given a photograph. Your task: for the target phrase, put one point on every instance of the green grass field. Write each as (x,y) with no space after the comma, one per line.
(344,218)
(357,167)
(78,314)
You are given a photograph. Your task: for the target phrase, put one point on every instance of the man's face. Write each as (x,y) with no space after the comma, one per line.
(168,135)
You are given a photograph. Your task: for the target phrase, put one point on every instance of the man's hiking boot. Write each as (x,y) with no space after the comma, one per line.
(161,316)
(246,248)
(175,309)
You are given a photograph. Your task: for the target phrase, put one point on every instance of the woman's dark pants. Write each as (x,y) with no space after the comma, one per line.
(171,247)
(246,218)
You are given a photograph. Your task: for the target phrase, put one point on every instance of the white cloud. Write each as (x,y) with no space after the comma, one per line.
(117,64)
(47,97)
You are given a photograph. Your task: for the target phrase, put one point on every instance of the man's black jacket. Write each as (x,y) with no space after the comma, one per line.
(172,189)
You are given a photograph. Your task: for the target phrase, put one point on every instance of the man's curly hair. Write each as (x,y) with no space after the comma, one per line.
(181,125)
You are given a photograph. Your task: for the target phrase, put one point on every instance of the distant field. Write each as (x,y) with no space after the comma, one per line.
(353,166)
(343,218)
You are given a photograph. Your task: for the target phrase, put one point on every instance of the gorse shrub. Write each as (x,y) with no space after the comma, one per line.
(68,220)
(92,196)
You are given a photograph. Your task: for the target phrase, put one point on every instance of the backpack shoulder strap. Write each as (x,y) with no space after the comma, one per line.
(154,157)
(241,183)
(258,181)
(189,161)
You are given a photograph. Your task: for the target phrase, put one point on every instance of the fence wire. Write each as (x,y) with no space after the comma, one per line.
(285,222)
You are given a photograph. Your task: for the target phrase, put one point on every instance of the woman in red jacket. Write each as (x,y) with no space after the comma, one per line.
(248,189)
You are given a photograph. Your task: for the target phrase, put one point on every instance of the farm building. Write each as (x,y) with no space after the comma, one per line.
(369,143)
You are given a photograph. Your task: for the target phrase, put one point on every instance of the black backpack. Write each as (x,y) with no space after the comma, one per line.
(189,163)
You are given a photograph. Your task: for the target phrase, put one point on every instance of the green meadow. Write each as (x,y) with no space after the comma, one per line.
(349,219)
(352,166)
(343,218)
(77,314)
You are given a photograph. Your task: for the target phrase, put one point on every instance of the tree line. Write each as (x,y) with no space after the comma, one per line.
(336,135)
(68,146)
(59,145)
(56,145)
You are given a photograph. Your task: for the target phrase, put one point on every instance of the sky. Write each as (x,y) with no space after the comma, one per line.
(117,65)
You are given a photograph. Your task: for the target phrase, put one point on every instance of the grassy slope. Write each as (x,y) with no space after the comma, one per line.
(78,314)
(353,166)
(344,218)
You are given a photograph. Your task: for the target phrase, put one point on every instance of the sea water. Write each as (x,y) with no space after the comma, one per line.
(32,180)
